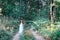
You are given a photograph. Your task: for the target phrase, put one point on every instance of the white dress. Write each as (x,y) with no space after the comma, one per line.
(21,26)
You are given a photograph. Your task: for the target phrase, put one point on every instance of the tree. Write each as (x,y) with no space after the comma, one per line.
(51,12)
(10,8)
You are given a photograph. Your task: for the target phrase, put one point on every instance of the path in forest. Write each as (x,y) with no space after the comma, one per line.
(37,36)
(17,36)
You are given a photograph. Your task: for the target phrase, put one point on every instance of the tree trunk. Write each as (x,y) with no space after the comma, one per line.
(51,12)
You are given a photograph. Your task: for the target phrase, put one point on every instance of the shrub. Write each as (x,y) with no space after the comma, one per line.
(55,35)
(5,35)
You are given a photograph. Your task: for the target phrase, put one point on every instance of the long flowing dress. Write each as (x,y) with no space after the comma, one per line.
(21,28)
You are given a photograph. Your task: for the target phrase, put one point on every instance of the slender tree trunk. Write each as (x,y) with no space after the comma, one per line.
(51,12)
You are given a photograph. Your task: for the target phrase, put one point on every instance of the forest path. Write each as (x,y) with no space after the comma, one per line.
(37,36)
(16,36)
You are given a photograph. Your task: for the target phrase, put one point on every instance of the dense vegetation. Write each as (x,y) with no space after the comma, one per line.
(35,13)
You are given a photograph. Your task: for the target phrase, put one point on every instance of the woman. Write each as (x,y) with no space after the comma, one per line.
(21,26)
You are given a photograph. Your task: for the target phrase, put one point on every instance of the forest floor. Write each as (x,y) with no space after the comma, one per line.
(37,36)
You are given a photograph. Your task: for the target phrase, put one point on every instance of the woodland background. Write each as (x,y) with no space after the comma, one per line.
(43,15)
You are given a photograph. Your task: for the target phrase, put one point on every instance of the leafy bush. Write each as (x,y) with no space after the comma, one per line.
(5,35)
(8,27)
(45,32)
(55,34)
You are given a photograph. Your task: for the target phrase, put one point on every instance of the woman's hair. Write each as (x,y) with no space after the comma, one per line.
(21,20)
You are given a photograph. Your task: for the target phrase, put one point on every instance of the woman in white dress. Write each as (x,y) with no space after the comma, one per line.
(21,27)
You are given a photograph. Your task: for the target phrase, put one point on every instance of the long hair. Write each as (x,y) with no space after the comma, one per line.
(21,20)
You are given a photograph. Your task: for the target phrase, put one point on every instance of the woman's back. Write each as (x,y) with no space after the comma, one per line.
(21,27)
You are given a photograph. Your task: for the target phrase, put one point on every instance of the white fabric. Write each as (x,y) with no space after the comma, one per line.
(21,26)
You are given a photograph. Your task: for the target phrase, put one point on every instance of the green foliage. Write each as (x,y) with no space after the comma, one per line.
(22,37)
(10,8)
(29,10)
(45,32)
(5,35)
(8,27)
(43,29)
(55,34)
(36,10)
(57,10)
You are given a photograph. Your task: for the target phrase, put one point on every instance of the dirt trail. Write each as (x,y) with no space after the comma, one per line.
(37,36)
(17,36)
